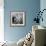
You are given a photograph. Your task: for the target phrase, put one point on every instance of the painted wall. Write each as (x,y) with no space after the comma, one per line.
(43,6)
(30,7)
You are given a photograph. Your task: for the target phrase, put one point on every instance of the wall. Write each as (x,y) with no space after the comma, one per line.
(43,6)
(30,7)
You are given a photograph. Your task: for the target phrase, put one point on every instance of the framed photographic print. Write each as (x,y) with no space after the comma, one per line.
(17,18)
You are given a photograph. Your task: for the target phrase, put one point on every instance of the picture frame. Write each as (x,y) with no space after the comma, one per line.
(17,18)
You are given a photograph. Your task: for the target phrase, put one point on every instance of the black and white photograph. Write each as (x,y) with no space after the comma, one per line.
(17,18)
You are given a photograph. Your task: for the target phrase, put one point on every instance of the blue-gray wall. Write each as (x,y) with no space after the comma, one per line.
(43,6)
(30,7)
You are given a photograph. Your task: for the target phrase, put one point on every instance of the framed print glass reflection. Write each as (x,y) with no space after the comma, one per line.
(17,18)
